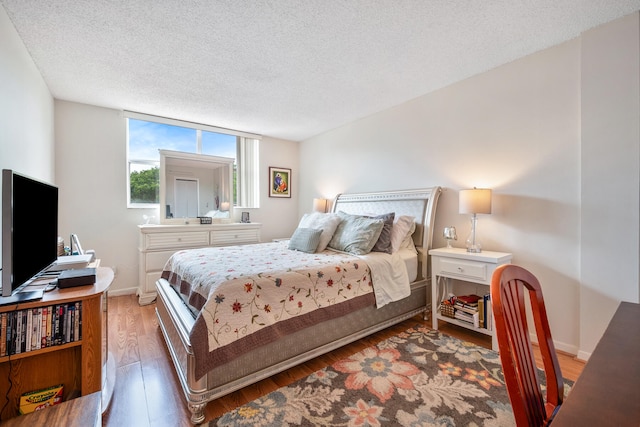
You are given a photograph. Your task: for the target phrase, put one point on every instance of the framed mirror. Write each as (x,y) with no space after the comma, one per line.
(195,185)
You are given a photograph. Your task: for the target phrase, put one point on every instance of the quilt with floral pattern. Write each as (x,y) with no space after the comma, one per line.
(250,295)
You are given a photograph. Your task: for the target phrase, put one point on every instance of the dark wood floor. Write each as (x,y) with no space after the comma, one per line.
(147,391)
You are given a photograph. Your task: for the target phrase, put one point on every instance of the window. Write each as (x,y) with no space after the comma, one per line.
(148,134)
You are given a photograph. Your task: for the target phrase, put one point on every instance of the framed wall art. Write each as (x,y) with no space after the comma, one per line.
(279,182)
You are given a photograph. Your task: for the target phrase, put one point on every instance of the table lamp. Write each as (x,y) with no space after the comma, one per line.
(320,205)
(475,201)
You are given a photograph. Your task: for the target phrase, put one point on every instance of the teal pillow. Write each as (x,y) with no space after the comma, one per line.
(356,234)
(305,240)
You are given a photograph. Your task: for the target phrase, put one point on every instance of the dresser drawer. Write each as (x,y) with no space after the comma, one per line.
(234,236)
(155,261)
(176,240)
(463,269)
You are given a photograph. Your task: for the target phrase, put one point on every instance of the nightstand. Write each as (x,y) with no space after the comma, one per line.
(452,267)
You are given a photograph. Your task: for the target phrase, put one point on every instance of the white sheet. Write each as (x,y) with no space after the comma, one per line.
(410,258)
(389,275)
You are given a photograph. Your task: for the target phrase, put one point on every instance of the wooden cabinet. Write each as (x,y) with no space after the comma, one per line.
(77,365)
(451,265)
(159,242)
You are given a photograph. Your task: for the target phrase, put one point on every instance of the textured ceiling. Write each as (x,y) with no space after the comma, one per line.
(285,68)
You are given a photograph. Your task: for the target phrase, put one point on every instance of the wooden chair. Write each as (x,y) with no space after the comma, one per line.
(508,286)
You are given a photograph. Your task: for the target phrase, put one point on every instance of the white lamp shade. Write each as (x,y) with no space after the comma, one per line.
(224,206)
(475,201)
(320,205)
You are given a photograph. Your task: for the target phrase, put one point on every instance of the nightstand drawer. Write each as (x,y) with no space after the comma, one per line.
(177,240)
(463,269)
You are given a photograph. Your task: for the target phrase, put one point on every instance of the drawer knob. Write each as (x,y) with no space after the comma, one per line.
(460,269)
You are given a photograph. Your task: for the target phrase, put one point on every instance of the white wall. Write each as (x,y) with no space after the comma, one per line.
(91,164)
(516,129)
(610,174)
(26,110)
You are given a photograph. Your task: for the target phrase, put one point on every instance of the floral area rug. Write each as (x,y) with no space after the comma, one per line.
(419,377)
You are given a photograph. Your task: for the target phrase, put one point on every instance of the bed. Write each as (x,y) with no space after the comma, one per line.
(342,295)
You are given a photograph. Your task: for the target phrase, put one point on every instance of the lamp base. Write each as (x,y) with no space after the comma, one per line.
(473,244)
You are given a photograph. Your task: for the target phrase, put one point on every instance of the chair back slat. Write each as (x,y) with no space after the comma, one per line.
(509,286)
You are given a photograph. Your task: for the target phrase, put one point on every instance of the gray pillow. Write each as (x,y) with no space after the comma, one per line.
(356,234)
(384,241)
(305,240)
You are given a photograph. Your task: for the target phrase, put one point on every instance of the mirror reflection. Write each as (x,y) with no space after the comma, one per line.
(194,185)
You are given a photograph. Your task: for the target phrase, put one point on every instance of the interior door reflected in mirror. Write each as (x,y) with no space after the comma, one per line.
(195,185)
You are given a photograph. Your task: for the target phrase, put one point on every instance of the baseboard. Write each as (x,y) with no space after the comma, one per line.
(121,292)
(561,347)
(583,355)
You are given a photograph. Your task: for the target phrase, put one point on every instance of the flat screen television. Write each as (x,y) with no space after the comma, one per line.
(29,229)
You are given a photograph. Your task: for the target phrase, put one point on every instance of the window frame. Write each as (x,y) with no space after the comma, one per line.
(250,182)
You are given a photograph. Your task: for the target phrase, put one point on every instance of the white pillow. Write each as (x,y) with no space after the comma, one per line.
(327,222)
(403,227)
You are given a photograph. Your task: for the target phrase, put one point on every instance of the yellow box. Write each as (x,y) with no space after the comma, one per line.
(40,399)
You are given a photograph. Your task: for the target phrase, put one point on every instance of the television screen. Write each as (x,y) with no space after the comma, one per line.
(29,229)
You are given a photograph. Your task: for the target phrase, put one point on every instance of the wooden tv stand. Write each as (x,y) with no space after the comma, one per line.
(77,365)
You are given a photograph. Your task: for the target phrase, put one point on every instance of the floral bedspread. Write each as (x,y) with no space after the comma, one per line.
(250,295)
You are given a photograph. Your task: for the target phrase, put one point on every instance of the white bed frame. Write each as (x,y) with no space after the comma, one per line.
(176,320)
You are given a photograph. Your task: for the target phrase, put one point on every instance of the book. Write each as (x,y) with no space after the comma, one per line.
(473,319)
(43,327)
(49,325)
(76,322)
(487,312)
(3,339)
(28,332)
(37,319)
(11,333)
(465,308)
(468,299)
(19,337)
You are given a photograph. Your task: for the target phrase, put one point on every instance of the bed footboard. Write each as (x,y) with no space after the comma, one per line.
(176,321)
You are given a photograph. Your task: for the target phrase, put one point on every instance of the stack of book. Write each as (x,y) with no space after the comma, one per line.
(467,309)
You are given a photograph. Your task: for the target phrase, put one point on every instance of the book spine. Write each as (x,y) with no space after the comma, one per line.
(80,320)
(10,333)
(72,321)
(49,326)
(24,331)
(76,323)
(19,338)
(56,339)
(43,327)
(488,318)
(3,339)
(67,324)
(39,329)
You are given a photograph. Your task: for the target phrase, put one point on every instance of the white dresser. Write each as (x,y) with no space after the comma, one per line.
(159,242)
